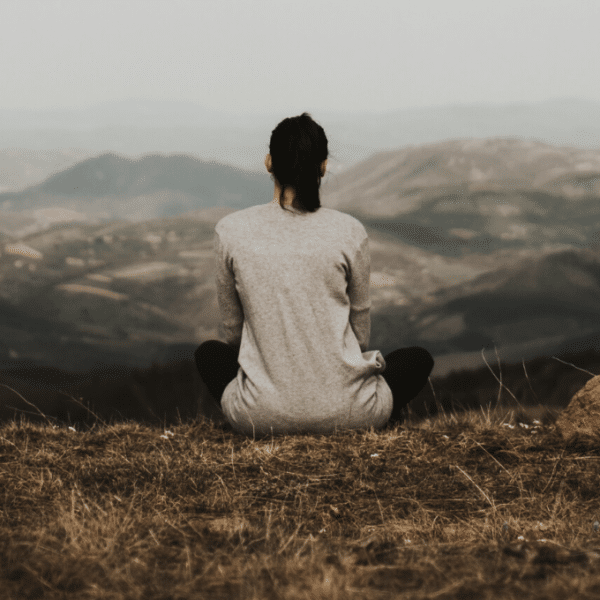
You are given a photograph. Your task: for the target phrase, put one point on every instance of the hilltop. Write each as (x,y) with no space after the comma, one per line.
(467,506)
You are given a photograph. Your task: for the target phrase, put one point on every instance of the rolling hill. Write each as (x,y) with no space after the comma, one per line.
(535,307)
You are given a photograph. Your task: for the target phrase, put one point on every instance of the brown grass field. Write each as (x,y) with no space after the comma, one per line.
(473,505)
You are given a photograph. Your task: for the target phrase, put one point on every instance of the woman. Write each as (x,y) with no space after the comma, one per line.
(293,291)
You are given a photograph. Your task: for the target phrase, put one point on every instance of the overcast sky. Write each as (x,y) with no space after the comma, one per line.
(254,56)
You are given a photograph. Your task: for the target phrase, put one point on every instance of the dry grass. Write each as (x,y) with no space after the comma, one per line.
(463,506)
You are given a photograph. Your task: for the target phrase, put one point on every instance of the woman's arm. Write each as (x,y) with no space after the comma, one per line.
(230,305)
(359,293)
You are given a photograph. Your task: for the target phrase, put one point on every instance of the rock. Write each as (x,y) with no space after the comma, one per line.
(582,414)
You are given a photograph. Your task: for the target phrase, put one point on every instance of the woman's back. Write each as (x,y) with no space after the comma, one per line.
(293,290)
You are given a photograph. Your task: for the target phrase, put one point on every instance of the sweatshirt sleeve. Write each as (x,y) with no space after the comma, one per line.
(358,292)
(230,306)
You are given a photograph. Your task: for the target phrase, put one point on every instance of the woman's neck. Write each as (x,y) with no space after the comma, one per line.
(288,197)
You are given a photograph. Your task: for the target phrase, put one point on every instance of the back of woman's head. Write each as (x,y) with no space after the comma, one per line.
(298,148)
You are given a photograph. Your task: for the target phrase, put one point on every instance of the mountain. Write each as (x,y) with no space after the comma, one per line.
(480,195)
(153,186)
(453,198)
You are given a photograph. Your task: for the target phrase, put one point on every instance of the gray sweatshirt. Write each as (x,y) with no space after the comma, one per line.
(293,291)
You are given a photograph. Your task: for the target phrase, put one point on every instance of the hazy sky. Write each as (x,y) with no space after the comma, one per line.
(247,56)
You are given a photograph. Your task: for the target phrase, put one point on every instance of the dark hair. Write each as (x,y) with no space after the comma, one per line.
(298,146)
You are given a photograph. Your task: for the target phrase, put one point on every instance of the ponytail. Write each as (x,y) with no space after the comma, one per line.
(298,147)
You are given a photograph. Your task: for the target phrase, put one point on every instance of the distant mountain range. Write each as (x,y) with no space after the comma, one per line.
(136,127)
(474,244)
(452,198)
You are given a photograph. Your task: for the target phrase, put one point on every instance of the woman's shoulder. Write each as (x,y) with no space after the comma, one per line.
(238,216)
(262,212)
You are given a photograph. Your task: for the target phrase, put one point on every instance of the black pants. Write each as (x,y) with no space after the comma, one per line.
(406,371)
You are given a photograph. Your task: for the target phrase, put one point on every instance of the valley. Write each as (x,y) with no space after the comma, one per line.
(475,244)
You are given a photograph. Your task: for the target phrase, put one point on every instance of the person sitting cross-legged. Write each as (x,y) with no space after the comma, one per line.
(293,290)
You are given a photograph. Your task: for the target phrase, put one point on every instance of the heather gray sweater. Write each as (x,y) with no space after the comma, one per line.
(293,291)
